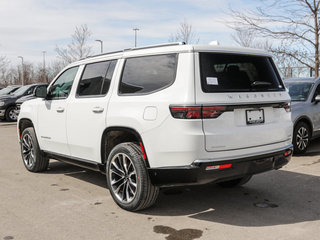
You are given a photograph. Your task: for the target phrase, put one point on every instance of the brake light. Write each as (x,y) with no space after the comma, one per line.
(195,112)
(212,112)
(287,106)
(186,112)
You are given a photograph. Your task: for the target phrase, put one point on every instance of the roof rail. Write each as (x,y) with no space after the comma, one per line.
(156,45)
(138,48)
(101,54)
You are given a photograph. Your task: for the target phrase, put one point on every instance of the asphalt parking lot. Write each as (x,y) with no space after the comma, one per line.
(68,202)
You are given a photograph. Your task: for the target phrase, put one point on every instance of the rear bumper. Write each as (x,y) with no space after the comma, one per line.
(197,173)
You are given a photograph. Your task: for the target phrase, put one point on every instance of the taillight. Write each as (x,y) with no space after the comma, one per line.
(287,106)
(212,112)
(195,112)
(186,112)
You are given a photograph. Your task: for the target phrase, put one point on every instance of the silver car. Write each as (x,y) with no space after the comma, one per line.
(305,107)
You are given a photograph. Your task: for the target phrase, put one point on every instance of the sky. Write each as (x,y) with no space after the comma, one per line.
(29,27)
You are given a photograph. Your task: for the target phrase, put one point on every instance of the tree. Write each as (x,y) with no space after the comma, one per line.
(184,33)
(78,48)
(4,63)
(293,24)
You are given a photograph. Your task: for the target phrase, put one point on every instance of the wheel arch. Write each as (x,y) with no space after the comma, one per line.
(23,124)
(113,136)
(306,120)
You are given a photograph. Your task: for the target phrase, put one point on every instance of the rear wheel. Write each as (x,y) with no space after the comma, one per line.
(235,182)
(32,156)
(301,137)
(128,179)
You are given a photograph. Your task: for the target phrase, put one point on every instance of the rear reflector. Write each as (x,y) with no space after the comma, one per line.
(143,152)
(216,167)
(196,112)
(287,153)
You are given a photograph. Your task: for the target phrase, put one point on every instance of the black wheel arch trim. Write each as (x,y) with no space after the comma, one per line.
(28,120)
(306,119)
(119,128)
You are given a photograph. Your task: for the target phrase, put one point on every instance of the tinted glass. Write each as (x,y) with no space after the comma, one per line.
(148,74)
(41,91)
(238,73)
(62,86)
(298,91)
(93,78)
(107,80)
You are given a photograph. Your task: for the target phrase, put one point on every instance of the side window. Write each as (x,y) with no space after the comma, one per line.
(143,75)
(41,90)
(107,80)
(96,79)
(62,86)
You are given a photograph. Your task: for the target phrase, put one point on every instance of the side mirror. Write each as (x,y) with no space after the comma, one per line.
(317,99)
(41,93)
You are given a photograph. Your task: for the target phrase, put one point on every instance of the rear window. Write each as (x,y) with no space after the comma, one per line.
(143,75)
(238,73)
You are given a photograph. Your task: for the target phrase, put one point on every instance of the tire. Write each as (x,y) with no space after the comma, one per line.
(11,116)
(32,157)
(235,182)
(127,178)
(301,138)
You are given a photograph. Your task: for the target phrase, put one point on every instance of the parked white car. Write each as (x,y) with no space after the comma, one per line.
(162,115)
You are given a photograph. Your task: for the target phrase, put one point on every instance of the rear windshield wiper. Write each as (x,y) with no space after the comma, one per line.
(260,83)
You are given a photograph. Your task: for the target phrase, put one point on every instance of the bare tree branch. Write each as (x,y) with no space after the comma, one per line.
(78,48)
(184,33)
(293,24)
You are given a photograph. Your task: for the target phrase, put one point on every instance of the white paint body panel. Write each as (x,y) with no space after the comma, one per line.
(167,141)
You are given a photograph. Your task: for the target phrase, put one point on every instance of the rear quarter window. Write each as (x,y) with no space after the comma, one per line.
(238,73)
(143,75)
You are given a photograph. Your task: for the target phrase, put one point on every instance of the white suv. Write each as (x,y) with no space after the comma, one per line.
(163,115)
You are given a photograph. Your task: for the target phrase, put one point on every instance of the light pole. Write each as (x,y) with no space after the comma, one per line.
(135,36)
(22,79)
(101,44)
(44,66)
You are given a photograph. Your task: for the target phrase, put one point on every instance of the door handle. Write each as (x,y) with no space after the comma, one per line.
(97,110)
(60,109)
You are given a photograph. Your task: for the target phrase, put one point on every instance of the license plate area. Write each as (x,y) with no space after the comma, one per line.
(255,116)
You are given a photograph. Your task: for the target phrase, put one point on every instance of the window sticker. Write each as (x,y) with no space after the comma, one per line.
(212,81)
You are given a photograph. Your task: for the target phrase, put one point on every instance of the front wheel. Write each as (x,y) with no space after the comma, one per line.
(32,156)
(128,180)
(301,138)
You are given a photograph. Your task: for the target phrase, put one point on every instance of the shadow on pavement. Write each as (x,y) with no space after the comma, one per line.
(313,149)
(86,175)
(293,198)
